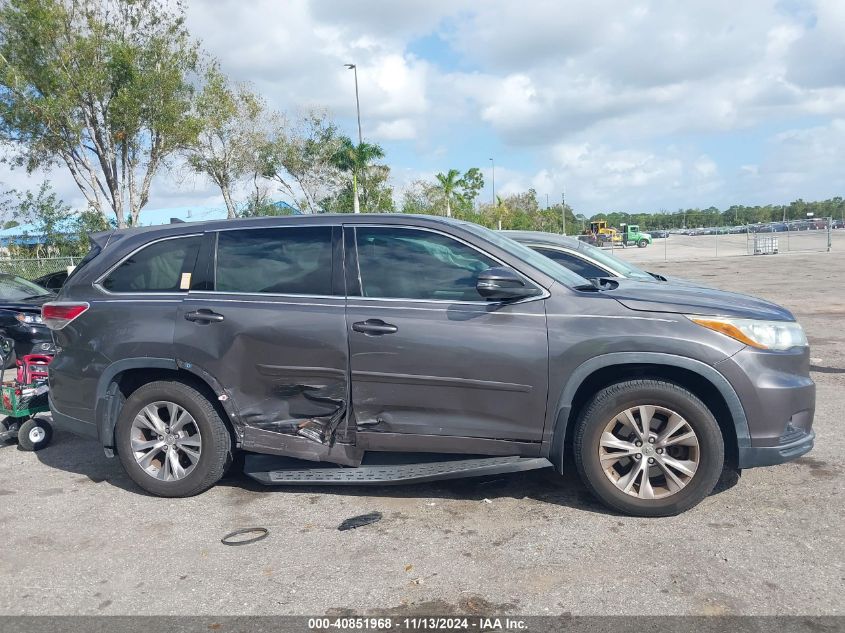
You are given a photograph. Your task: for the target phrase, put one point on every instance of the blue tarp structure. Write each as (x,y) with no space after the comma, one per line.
(21,234)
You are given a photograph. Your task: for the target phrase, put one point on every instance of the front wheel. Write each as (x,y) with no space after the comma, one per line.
(648,448)
(171,440)
(642,243)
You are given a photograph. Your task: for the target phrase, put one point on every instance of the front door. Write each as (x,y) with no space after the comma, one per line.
(270,330)
(429,356)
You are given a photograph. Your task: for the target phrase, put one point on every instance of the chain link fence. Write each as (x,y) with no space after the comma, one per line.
(35,267)
(819,235)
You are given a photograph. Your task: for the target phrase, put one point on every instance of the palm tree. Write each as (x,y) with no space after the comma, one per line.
(501,211)
(448,184)
(356,158)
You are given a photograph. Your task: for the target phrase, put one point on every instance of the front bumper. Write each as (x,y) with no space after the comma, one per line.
(30,340)
(779,401)
(754,456)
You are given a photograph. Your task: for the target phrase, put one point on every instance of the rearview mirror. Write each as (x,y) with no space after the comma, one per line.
(503,284)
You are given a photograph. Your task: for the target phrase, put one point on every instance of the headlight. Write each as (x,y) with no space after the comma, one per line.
(29,319)
(774,335)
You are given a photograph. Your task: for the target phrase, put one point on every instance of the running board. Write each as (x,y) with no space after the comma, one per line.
(385,472)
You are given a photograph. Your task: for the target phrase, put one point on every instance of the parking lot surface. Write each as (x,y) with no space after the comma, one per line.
(80,538)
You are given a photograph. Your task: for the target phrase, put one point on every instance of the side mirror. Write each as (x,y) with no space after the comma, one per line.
(503,284)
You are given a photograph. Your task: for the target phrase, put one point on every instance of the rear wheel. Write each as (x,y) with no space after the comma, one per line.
(171,440)
(648,448)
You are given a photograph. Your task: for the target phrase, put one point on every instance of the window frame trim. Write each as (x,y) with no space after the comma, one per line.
(98,283)
(544,294)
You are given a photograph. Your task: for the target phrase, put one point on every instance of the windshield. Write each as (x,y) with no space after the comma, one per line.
(611,261)
(540,262)
(16,288)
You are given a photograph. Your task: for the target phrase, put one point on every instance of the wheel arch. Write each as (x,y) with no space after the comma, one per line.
(701,379)
(123,377)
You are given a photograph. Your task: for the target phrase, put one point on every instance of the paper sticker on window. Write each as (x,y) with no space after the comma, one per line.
(185,284)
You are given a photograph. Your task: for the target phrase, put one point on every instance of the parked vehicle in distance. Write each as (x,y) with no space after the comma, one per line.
(630,235)
(414,348)
(52,281)
(20,317)
(580,257)
(659,234)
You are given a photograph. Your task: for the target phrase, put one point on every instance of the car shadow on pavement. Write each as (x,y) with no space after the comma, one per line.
(85,457)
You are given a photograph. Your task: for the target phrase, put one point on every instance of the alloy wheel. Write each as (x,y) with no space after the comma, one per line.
(166,441)
(649,452)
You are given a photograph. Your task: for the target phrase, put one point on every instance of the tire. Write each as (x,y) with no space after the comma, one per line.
(607,481)
(215,443)
(642,243)
(34,435)
(10,361)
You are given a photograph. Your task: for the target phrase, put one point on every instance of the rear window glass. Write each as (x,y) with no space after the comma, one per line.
(156,268)
(286,260)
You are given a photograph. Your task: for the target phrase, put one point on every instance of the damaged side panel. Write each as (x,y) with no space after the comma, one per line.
(282,365)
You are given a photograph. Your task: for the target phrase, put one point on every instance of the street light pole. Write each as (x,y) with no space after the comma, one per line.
(356,203)
(493,179)
(563,210)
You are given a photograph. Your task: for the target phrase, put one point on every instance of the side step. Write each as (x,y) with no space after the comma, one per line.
(382,469)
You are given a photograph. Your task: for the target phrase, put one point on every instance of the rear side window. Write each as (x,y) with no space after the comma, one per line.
(573,263)
(156,268)
(286,260)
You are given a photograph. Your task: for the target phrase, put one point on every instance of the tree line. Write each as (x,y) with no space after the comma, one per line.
(735,215)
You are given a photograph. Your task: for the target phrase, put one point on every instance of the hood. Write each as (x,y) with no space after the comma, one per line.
(688,299)
(25,305)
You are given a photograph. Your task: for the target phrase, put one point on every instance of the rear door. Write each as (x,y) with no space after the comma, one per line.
(266,322)
(429,356)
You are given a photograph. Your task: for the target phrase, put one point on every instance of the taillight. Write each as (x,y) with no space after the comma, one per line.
(59,314)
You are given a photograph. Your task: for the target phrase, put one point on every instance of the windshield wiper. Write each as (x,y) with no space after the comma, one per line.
(657,277)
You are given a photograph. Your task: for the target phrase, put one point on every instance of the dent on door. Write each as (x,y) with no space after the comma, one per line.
(283,369)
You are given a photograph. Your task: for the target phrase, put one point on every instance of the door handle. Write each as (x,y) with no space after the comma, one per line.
(374,327)
(204,316)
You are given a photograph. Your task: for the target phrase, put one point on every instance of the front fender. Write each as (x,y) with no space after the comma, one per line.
(558,424)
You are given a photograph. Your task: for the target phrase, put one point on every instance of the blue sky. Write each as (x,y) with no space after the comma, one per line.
(625,105)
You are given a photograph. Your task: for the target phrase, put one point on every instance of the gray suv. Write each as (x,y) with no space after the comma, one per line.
(395,348)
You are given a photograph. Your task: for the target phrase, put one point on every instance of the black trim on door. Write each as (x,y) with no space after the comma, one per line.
(203,276)
(350,256)
(338,282)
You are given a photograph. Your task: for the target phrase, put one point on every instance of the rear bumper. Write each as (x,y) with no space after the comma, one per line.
(71,424)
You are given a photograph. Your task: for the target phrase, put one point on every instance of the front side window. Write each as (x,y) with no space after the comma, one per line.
(397,263)
(156,268)
(573,263)
(285,260)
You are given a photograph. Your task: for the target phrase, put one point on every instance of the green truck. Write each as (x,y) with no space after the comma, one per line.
(630,235)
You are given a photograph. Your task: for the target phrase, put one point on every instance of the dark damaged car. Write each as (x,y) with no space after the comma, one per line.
(388,349)
(20,316)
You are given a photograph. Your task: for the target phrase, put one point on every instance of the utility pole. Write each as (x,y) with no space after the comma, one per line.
(356,202)
(563,210)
